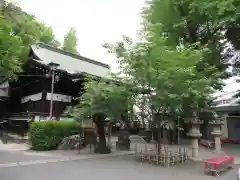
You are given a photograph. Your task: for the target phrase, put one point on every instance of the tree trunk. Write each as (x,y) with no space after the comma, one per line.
(102,144)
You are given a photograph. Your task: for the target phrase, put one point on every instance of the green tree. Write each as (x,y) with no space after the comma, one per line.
(28,28)
(70,41)
(10,48)
(209,24)
(10,51)
(170,75)
(18,30)
(103,100)
(178,73)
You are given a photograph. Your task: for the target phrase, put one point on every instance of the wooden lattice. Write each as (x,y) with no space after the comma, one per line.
(165,157)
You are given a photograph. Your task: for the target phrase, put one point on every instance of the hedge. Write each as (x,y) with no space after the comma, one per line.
(46,135)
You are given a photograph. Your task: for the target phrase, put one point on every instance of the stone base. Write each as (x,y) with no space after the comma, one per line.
(123,146)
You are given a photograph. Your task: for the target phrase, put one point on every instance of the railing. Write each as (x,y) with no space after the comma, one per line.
(164,155)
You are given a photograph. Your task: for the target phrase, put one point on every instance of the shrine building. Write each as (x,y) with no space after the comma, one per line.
(28,98)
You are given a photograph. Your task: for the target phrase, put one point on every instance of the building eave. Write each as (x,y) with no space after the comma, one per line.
(82,58)
(227,109)
(68,62)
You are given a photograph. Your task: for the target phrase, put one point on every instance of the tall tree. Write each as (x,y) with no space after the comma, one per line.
(28,28)
(169,74)
(70,41)
(175,71)
(19,30)
(103,100)
(209,24)
(10,51)
(10,48)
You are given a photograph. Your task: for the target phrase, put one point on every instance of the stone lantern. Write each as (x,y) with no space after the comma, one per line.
(194,132)
(216,132)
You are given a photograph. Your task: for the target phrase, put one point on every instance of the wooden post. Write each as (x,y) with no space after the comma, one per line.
(52,90)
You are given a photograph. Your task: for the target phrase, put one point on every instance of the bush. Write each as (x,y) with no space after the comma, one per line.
(47,135)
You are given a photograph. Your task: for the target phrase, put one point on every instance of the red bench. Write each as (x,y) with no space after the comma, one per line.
(218,164)
(207,143)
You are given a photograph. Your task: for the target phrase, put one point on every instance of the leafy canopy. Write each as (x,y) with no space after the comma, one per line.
(103,97)
(208,24)
(18,30)
(169,74)
(70,41)
(10,51)
(178,60)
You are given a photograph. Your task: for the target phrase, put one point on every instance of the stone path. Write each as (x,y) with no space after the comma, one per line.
(21,164)
(13,147)
(117,168)
(20,159)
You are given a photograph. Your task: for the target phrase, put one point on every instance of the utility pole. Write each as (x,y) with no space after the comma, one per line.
(53,67)
(52,90)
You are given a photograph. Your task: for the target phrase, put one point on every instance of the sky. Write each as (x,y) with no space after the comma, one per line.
(96,22)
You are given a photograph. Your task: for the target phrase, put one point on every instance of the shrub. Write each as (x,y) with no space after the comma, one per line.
(47,135)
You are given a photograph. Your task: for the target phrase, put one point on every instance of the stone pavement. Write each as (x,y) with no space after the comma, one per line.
(12,159)
(204,153)
(13,147)
(117,168)
(17,163)
(13,154)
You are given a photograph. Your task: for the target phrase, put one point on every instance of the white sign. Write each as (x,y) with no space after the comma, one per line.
(59,97)
(33,97)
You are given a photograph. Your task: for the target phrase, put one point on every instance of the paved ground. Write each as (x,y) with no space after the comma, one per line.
(28,165)
(11,157)
(117,168)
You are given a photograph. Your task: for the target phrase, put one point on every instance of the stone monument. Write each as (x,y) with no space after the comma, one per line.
(194,132)
(216,132)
